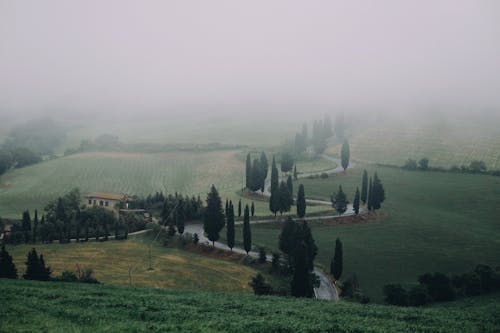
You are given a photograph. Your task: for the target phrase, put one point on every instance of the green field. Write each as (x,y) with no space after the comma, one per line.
(445,140)
(189,173)
(172,267)
(64,307)
(430,222)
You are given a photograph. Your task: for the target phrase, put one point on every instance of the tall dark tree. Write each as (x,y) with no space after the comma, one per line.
(35,267)
(339,201)
(295,174)
(337,263)
(247,234)
(35,227)
(239,208)
(288,236)
(252,209)
(264,165)
(370,195)
(378,192)
(7,268)
(355,203)
(248,171)
(26,226)
(284,198)
(345,155)
(274,176)
(213,221)
(364,187)
(289,185)
(301,285)
(230,226)
(274,201)
(301,202)
(256,176)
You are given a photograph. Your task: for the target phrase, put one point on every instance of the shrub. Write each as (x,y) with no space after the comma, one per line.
(439,286)
(324,175)
(262,255)
(259,285)
(196,239)
(67,276)
(276,262)
(395,294)
(418,296)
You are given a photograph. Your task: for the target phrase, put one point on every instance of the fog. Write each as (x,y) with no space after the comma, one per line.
(174,57)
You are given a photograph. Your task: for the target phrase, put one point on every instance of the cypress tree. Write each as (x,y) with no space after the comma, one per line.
(230,226)
(378,192)
(252,209)
(227,207)
(7,268)
(26,226)
(288,237)
(264,165)
(239,208)
(339,202)
(35,227)
(355,203)
(274,176)
(35,267)
(345,155)
(256,178)
(301,281)
(364,187)
(247,235)
(213,221)
(274,201)
(248,173)
(370,195)
(295,175)
(284,198)
(337,263)
(289,185)
(301,202)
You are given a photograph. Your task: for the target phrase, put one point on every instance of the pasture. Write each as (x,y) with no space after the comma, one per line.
(66,307)
(172,268)
(430,221)
(444,140)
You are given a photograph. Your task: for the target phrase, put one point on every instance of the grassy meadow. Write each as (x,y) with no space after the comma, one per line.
(172,267)
(429,222)
(444,140)
(65,307)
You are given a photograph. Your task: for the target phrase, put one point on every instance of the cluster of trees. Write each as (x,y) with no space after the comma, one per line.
(299,248)
(474,167)
(256,172)
(372,195)
(438,287)
(281,199)
(36,269)
(321,131)
(178,209)
(64,219)
(16,157)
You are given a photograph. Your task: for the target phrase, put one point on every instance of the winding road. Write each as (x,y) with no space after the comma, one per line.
(326,289)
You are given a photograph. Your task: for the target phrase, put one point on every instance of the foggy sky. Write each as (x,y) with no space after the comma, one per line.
(242,56)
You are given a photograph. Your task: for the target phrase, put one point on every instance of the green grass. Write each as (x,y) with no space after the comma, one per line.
(446,141)
(429,222)
(172,267)
(64,307)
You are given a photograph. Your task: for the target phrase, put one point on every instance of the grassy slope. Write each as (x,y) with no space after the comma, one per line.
(86,308)
(173,268)
(435,222)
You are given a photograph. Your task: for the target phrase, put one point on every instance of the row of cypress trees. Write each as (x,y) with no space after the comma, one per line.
(35,266)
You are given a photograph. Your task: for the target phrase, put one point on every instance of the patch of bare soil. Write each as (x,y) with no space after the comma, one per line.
(356,219)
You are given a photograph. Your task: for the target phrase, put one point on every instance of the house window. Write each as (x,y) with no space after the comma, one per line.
(94,202)
(101,203)
(106,203)
(90,202)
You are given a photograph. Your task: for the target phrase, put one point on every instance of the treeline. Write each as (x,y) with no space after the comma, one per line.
(372,195)
(108,142)
(64,219)
(256,172)
(27,143)
(438,287)
(36,269)
(322,130)
(474,167)
(178,209)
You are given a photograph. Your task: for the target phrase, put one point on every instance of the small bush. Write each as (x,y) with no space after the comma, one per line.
(395,294)
(418,296)
(262,255)
(259,285)
(196,239)
(324,175)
